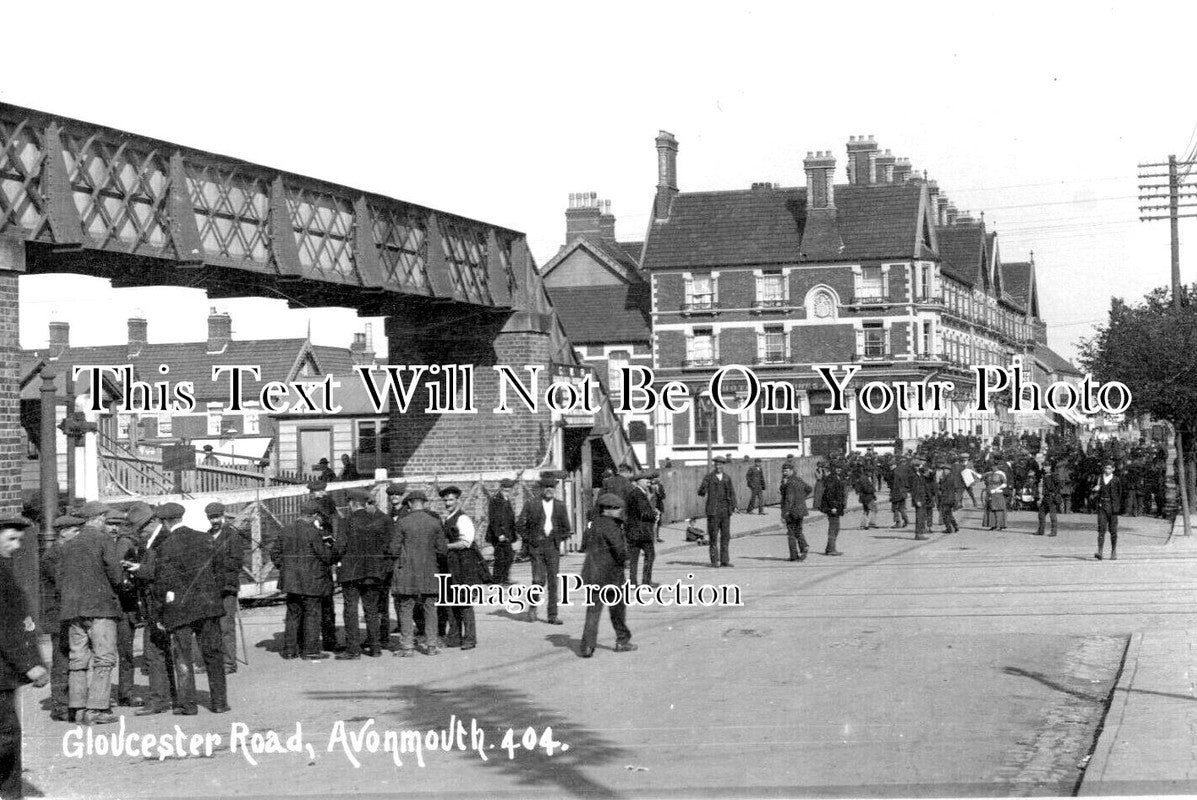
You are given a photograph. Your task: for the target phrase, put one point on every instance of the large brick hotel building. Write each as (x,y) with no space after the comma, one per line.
(881,271)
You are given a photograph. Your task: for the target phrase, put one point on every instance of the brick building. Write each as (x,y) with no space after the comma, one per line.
(881,272)
(603,301)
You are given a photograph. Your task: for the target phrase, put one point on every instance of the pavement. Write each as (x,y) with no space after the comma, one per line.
(972,664)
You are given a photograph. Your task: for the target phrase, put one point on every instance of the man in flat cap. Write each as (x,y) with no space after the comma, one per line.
(544,525)
(605,556)
(397,498)
(304,555)
(324,472)
(230,546)
(417,545)
(363,574)
(640,527)
(327,520)
(20,660)
(88,575)
(66,528)
(717,488)
(500,530)
(621,483)
(188,575)
(465,565)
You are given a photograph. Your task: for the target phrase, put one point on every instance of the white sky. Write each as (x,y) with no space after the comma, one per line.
(1036,113)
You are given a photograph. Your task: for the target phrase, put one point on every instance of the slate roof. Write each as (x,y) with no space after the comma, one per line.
(767,226)
(190,361)
(1018,281)
(633,249)
(1054,361)
(604,314)
(960,251)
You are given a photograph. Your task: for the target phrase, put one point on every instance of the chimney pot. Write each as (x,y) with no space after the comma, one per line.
(60,338)
(220,331)
(667,147)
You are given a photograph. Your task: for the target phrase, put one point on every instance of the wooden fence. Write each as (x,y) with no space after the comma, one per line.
(681,485)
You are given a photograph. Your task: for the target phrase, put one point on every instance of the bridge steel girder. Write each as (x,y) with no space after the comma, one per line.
(74,185)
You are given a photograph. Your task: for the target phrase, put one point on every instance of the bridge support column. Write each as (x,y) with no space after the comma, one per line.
(451,443)
(12,455)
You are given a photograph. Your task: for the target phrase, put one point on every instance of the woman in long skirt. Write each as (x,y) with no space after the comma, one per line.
(995,505)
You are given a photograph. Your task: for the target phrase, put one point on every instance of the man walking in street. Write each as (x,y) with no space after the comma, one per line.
(500,530)
(1046,493)
(605,555)
(922,496)
(899,488)
(1108,497)
(304,555)
(230,547)
(326,520)
(639,528)
(116,525)
(720,503)
(155,640)
(866,490)
(544,525)
(417,545)
(363,574)
(755,477)
(832,503)
(794,492)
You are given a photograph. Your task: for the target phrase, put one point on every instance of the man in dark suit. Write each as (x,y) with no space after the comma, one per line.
(500,530)
(230,545)
(605,556)
(640,527)
(418,545)
(304,554)
(544,525)
(899,488)
(794,492)
(717,488)
(1107,496)
(922,497)
(327,520)
(1047,493)
(116,525)
(364,572)
(754,476)
(155,639)
(189,574)
(66,527)
(832,503)
(20,661)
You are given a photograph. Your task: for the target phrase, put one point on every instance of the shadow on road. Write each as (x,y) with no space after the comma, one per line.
(1051,684)
(495,709)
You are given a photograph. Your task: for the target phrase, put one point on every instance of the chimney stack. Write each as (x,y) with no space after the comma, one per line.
(606,221)
(862,155)
(220,331)
(949,214)
(885,167)
(965,219)
(666,174)
(820,180)
(137,335)
(941,210)
(933,194)
(902,170)
(60,338)
(361,351)
(582,216)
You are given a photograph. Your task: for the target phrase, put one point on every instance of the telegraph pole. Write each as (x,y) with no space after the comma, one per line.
(1176,188)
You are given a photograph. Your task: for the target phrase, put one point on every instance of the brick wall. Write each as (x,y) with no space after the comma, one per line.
(737,288)
(671,349)
(737,346)
(899,282)
(12,441)
(671,291)
(841,279)
(899,338)
(431,443)
(822,344)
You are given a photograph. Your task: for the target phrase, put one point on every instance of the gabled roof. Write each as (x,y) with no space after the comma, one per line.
(1020,282)
(772,226)
(1054,362)
(961,250)
(633,249)
(604,314)
(279,359)
(612,255)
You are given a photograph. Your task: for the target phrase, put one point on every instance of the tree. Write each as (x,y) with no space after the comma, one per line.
(1150,347)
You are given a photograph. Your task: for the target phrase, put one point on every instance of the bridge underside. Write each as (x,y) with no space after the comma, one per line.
(84,199)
